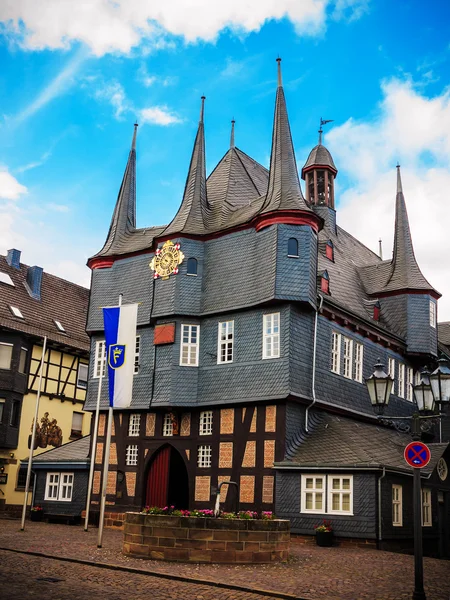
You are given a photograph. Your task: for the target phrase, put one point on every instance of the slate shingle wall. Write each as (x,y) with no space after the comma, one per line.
(421,337)
(301,344)
(79,492)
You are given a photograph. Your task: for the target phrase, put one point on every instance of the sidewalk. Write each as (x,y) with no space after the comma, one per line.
(312,572)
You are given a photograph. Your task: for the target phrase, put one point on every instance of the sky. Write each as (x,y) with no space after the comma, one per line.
(76,75)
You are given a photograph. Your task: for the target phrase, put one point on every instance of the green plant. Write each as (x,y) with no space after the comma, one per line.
(36,508)
(325,526)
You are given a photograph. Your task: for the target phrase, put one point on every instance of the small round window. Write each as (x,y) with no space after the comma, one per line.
(442,469)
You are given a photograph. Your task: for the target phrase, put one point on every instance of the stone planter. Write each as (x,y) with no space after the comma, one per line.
(36,515)
(206,540)
(324,538)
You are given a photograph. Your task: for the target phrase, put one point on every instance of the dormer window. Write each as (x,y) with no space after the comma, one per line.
(325,283)
(16,312)
(59,326)
(329,250)
(292,248)
(192,266)
(376,311)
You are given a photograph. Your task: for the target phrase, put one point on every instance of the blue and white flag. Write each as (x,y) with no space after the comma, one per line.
(120,346)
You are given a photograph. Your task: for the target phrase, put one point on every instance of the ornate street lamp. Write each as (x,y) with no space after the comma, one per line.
(379,386)
(440,382)
(423,394)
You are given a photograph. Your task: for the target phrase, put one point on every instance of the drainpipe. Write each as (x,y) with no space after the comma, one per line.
(379,503)
(313,381)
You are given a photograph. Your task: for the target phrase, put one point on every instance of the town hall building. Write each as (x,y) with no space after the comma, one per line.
(259,320)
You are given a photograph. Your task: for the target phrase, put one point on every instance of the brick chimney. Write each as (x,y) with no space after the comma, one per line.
(13,258)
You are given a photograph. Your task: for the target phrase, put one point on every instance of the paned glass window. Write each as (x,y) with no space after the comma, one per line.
(22,478)
(167,425)
(66,487)
(206,420)
(397,506)
(401,380)
(359,357)
(426,508)
(131,455)
(5,355)
(192,266)
(51,490)
(190,335)
(432,314)
(225,342)
(409,383)
(136,354)
(82,376)
(23,360)
(348,357)
(336,352)
(204,456)
(313,494)
(134,424)
(271,335)
(292,248)
(59,487)
(340,494)
(100,359)
(391,372)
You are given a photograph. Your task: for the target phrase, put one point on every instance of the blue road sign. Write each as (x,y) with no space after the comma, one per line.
(417,455)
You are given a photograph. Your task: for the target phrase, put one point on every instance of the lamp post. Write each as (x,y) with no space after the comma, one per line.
(432,389)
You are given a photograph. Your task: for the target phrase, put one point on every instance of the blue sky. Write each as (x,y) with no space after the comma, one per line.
(73,80)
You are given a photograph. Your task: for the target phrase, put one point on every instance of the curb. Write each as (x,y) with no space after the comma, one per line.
(217,584)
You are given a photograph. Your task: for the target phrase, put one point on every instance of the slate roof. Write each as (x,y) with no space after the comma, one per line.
(319,155)
(60,299)
(76,451)
(444,333)
(343,442)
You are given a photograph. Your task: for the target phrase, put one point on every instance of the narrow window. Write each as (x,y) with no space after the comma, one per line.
(134,424)
(348,357)
(16,312)
(22,478)
(271,335)
(15,414)
(321,187)
(167,425)
(292,248)
(336,352)
(52,486)
(340,494)
(401,380)
(325,283)
(426,508)
(5,355)
(23,360)
(192,266)
(206,418)
(329,250)
(100,359)
(376,312)
(225,342)
(77,425)
(2,408)
(190,335)
(359,354)
(204,457)
(391,372)
(82,376)
(136,354)
(432,314)
(131,455)
(397,506)
(409,383)
(313,494)
(66,487)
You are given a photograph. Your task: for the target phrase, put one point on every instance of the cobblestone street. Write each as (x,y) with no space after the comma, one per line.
(312,572)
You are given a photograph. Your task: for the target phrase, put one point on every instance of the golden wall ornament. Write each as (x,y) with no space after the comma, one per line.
(166,260)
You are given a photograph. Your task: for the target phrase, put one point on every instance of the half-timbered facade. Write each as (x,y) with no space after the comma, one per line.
(259,319)
(34,304)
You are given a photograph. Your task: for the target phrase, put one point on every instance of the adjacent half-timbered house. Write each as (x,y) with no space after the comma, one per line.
(259,319)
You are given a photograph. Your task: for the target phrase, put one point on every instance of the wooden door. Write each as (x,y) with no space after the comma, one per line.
(158,478)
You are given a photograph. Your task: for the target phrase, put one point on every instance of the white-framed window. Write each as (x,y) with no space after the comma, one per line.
(336,352)
(82,376)
(23,360)
(100,359)
(77,425)
(190,337)
(271,335)
(131,455)
(432,314)
(401,380)
(340,494)
(167,425)
(391,372)
(409,383)
(204,456)
(59,487)
(5,355)
(397,505)
(206,421)
(134,424)
(136,354)
(359,358)
(313,494)
(348,357)
(427,520)
(225,342)
(16,311)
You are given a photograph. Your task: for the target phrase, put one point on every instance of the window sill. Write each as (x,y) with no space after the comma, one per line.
(192,274)
(293,256)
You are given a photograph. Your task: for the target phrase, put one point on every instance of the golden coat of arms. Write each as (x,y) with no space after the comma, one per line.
(166,260)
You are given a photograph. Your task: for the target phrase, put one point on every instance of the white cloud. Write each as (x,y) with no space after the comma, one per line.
(10,188)
(158,115)
(107,26)
(414,130)
(35,164)
(114,93)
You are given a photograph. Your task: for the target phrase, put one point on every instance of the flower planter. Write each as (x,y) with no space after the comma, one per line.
(36,515)
(324,538)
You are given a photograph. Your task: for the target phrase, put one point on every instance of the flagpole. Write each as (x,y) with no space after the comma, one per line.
(33,436)
(94,440)
(105,465)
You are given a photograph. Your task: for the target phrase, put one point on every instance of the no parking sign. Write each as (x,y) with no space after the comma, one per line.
(417,455)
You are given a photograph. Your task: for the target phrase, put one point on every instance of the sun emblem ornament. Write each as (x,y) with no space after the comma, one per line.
(442,469)
(166,260)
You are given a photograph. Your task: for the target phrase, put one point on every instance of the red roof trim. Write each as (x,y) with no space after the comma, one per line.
(432,293)
(312,167)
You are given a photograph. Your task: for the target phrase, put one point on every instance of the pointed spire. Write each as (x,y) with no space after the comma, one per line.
(284,192)
(320,135)
(124,217)
(194,212)
(399,181)
(232,134)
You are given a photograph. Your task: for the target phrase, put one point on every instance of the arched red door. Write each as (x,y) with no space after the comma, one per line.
(167,480)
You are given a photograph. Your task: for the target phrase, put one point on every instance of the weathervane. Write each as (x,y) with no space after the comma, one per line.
(323,122)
